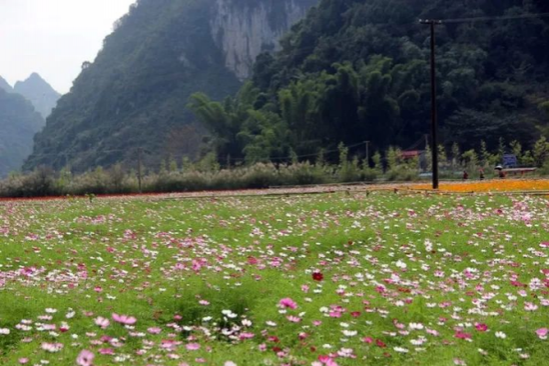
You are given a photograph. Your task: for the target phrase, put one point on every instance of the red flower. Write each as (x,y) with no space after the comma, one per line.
(317,276)
(380,343)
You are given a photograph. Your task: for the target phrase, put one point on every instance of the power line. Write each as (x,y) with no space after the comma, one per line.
(487,19)
(306,155)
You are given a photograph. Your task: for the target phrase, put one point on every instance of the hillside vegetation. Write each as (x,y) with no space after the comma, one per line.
(357,70)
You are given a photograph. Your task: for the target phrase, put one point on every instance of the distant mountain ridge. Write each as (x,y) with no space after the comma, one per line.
(23,110)
(39,93)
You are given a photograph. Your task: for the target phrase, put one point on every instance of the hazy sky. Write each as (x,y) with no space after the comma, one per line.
(53,37)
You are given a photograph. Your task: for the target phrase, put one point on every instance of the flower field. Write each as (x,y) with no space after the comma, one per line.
(504,185)
(332,279)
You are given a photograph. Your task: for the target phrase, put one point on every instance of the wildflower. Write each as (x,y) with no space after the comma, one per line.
(501,335)
(317,276)
(542,333)
(288,303)
(85,358)
(193,346)
(124,319)
(52,347)
(102,322)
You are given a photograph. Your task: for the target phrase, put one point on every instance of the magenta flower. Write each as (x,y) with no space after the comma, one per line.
(542,333)
(481,327)
(85,358)
(288,303)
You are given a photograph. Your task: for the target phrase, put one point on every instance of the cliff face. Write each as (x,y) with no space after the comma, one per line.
(134,94)
(243,29)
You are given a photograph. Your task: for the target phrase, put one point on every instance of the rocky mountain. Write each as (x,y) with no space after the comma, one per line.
(135,93)
(39,93)
(5,86)
(19,122)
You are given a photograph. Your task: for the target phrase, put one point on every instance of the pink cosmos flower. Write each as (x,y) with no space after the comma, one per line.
(243,336)
(23,360)
(85,358)
(481,327)
(124,319)
(102,322)
(193,346)
(288,303)
(542,333)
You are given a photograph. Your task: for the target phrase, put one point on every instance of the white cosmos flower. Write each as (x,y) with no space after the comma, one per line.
(501,335)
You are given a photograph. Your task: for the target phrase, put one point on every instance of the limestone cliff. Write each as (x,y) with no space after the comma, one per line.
(243,29)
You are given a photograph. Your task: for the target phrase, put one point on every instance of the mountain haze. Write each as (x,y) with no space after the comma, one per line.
(134,94)
(18,122)
(39,93)
(5,86)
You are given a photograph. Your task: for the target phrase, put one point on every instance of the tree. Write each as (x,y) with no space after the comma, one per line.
(470,158)
(456,154)
(541,151)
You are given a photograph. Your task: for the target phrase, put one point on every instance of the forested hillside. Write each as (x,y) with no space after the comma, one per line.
(18,123)
(134,94)
(357,70)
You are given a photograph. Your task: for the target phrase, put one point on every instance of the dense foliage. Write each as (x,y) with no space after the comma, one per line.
(357,70)
(18,123)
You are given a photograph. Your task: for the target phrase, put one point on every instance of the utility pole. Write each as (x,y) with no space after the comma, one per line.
(434,123)
(139,157)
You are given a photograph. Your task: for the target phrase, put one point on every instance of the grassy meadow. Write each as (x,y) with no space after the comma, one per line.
(332,279)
